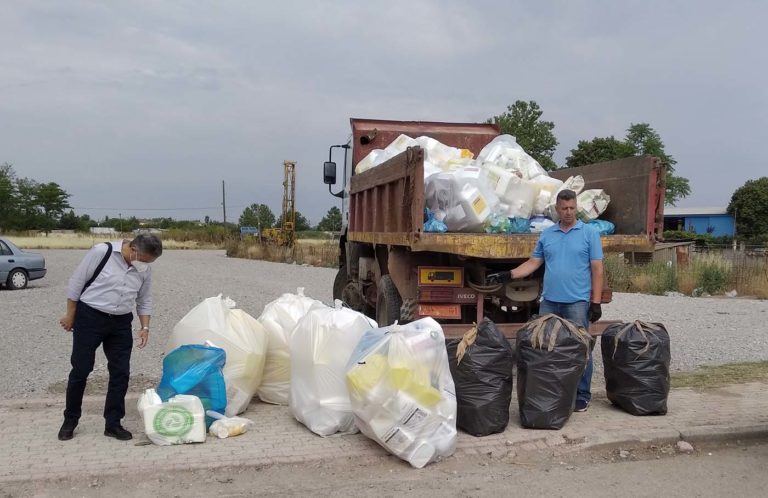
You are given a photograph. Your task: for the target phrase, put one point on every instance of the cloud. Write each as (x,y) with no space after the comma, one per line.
(153,104)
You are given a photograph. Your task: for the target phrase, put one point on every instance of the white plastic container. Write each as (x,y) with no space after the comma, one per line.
(471,211)
(180,420)
(547,183)
(516,192)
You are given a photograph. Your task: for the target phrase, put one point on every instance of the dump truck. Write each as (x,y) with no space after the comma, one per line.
(391,269)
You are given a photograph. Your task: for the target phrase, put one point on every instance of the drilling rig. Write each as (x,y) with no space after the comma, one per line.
(285,234)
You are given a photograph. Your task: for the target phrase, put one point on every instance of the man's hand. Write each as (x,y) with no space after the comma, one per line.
(595,312)
(143,338)
(67,322)
(498,278)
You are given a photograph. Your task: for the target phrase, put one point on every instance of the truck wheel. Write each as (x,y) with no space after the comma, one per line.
(388,302)
(408,310)
(17,279)
(339,283)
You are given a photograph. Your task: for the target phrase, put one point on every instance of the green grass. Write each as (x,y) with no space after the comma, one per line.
(722,375)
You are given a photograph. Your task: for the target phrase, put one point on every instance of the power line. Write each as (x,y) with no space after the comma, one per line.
(151,209)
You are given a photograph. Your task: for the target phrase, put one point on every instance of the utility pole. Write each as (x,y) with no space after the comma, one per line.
(224,202)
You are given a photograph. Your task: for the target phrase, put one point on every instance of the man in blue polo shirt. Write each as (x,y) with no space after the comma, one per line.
(573,275)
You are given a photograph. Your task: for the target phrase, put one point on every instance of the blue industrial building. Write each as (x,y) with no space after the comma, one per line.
(714,221)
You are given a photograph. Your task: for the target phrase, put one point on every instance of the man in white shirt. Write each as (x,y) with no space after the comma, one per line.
(110,282)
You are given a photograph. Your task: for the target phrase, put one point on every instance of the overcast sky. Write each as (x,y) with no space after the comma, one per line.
(144,107)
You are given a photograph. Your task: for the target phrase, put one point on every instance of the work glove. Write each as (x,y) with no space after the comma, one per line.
(498,278)
(595,312)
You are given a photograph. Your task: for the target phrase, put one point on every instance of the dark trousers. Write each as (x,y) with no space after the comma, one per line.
(92,329)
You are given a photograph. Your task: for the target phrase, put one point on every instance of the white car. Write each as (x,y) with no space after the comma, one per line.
(18,267)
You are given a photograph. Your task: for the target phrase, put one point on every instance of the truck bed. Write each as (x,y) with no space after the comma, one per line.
(387,207)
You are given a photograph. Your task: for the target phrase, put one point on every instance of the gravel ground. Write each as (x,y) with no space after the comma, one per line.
(35,350)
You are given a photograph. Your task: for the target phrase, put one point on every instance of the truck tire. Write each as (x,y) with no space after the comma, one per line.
(388,302)
(339,283)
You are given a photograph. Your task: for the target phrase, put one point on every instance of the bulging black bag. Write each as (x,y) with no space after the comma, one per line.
(552,355)
(481,366)
(636,357)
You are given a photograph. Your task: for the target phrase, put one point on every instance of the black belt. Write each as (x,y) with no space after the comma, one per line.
(105,314)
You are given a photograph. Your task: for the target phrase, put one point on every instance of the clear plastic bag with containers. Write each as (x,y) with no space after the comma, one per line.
(402,393)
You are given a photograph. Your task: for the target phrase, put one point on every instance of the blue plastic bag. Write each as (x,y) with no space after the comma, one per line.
(196,370)
(432,224)
(519,225)
(602,226)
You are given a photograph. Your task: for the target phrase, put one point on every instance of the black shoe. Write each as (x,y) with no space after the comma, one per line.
(67,431)
(118,432)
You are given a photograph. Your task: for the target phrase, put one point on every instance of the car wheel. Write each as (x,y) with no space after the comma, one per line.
(17,279)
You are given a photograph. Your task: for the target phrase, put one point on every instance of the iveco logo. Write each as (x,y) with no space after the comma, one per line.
(465,296)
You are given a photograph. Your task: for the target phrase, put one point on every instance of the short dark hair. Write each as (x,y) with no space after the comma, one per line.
(565,195)
(148,243)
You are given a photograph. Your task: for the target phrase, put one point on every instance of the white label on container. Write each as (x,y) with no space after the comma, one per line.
(397,440)
(414,418)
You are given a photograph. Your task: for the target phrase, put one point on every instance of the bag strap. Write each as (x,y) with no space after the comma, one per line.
(102,263)
(644,328)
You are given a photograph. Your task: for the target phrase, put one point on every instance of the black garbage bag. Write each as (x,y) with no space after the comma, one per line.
(636,359)
(482,373)
(552,355)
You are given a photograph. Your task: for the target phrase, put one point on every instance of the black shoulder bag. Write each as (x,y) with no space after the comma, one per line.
(99,268)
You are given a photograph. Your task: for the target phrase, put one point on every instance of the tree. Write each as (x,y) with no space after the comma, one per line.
(522,121)
(53,201)
(331,222)
(8,199)
(28,212)
(645,140)
(302,224)
(749,206)
(641,139)
(598,150)
(257,215)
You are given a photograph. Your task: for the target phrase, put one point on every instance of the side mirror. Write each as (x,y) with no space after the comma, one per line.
(329,173)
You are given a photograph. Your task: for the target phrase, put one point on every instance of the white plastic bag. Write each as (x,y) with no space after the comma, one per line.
(505,152)
(402,392)
(224,427)
(373,159)
(321,345)
(591,203)
(179,420)
(279,319)
(218,322)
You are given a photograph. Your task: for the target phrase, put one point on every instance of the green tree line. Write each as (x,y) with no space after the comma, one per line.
(28,204)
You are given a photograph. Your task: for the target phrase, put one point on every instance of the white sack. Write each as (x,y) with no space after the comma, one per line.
(505,152)
(279,319)
(217,321)
(321,345)
(590,204)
